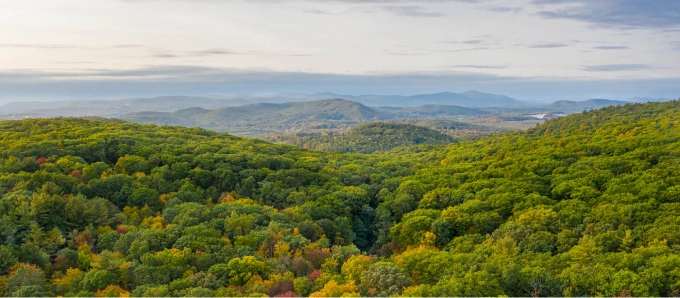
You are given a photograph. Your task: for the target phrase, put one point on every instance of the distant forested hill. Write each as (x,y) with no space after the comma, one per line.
(369,138)
(264,119)
(120,107)
(577,106)
(584,205)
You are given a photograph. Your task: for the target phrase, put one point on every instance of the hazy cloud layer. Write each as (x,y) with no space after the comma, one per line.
(548,45)
(412,11)
(611,48)
(478,66)
(504,9)
(617,13)
(616,67)
(38,46)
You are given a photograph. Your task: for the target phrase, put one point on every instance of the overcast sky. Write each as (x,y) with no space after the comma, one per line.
(533,49)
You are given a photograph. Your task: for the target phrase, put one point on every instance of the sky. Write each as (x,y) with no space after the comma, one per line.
(540,50)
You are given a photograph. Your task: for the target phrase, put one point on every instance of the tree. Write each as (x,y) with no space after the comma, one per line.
(7,258)
(354,266)
(242,269)
(221,273)
(333,289)
(385,279)
(444,231)
(96,280)
(24,280)
(132,164)
(146,196)
(310,230)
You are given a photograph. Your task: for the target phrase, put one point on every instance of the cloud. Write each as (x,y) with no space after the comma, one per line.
(614,13)
(165,55)
(473,41)
(412,11)
(467,49)
(478,66)
(611,48)
(125,46)
(72,62)
(220,52)
(389,52)
(319,12)
(65,46)
(504,9)
(38,46)
(476,40)
(616,67)
(339,1)
(213,52)
(548,45)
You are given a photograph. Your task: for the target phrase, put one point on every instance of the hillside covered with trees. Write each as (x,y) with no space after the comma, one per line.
(587,204)
(368,138)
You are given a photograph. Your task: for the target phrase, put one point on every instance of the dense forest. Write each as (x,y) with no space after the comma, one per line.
(585,205)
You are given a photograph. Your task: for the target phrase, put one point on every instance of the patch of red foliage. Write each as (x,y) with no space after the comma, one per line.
(314,275)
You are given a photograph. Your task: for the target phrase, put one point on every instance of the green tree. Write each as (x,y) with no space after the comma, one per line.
(242,269)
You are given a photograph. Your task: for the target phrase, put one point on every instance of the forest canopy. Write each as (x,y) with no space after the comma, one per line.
(587,204)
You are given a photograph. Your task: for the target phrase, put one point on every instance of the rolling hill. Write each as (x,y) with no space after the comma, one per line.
(120,107)
(265,118)
(369,138)
(577,106)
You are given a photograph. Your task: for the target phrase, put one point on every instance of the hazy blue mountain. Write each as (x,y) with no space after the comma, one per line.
(430,111)
(577,106)
(120,107)
(112,108)
(648,99)
(465,99)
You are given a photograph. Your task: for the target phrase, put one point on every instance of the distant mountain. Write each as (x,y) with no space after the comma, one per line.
(435,110)
(120,107)
(648,99)
(465,99)
(577,106)
(110,108)
(264,118)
